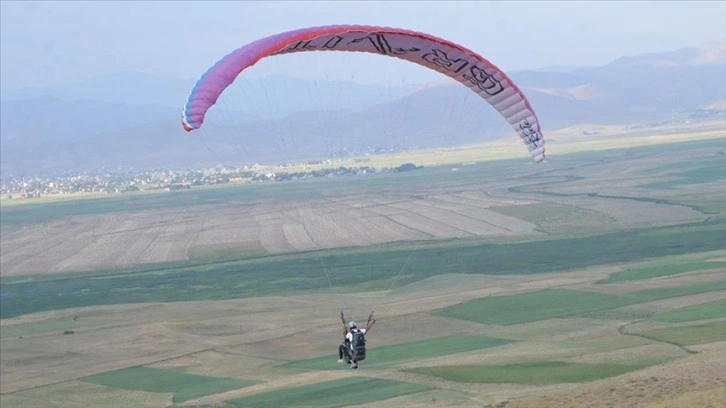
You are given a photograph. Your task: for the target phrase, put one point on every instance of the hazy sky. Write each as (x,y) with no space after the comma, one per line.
(57,43)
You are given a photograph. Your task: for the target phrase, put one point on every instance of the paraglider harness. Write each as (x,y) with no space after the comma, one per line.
(356,349)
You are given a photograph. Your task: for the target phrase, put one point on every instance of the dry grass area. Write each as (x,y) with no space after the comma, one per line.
(693,381)
(78,394)
(250,339)
(572,139)
(122,239)
(484,209)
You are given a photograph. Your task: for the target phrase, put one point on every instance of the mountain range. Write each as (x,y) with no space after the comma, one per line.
(132,120)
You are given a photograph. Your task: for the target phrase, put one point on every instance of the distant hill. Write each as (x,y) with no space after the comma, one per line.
(50,120)
(137,89)
(132,120)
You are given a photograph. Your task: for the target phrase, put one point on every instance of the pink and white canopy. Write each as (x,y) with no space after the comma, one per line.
(438,54)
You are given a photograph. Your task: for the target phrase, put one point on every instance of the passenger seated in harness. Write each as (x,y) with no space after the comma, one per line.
(353,348)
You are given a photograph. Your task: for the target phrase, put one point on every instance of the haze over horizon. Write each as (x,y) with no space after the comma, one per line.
(52,44)
(101,84)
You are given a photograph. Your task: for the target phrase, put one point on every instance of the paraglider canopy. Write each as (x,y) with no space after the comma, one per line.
(448,58)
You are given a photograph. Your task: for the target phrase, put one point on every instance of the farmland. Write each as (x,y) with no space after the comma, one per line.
(596,277)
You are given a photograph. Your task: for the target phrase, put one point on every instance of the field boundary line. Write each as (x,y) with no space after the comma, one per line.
(621,330)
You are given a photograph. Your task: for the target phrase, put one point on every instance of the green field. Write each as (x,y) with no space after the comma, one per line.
(532,306)
(560,303)
(355,269)
(410,351)
(648,295)
(709,169)
(710,310)
(708,202)
(546,372)
(690,335)
(587,297)
(184,386)
(561,219)
(330,394)
(661,271)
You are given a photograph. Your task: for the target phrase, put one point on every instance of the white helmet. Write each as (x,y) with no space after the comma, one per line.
(352,325)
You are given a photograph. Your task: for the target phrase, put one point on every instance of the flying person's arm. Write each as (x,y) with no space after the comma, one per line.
(370,325)
(345,327)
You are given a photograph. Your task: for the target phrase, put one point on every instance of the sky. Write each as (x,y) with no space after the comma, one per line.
(54,44)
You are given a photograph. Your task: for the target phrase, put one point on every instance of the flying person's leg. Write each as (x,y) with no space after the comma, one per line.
(343,355)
